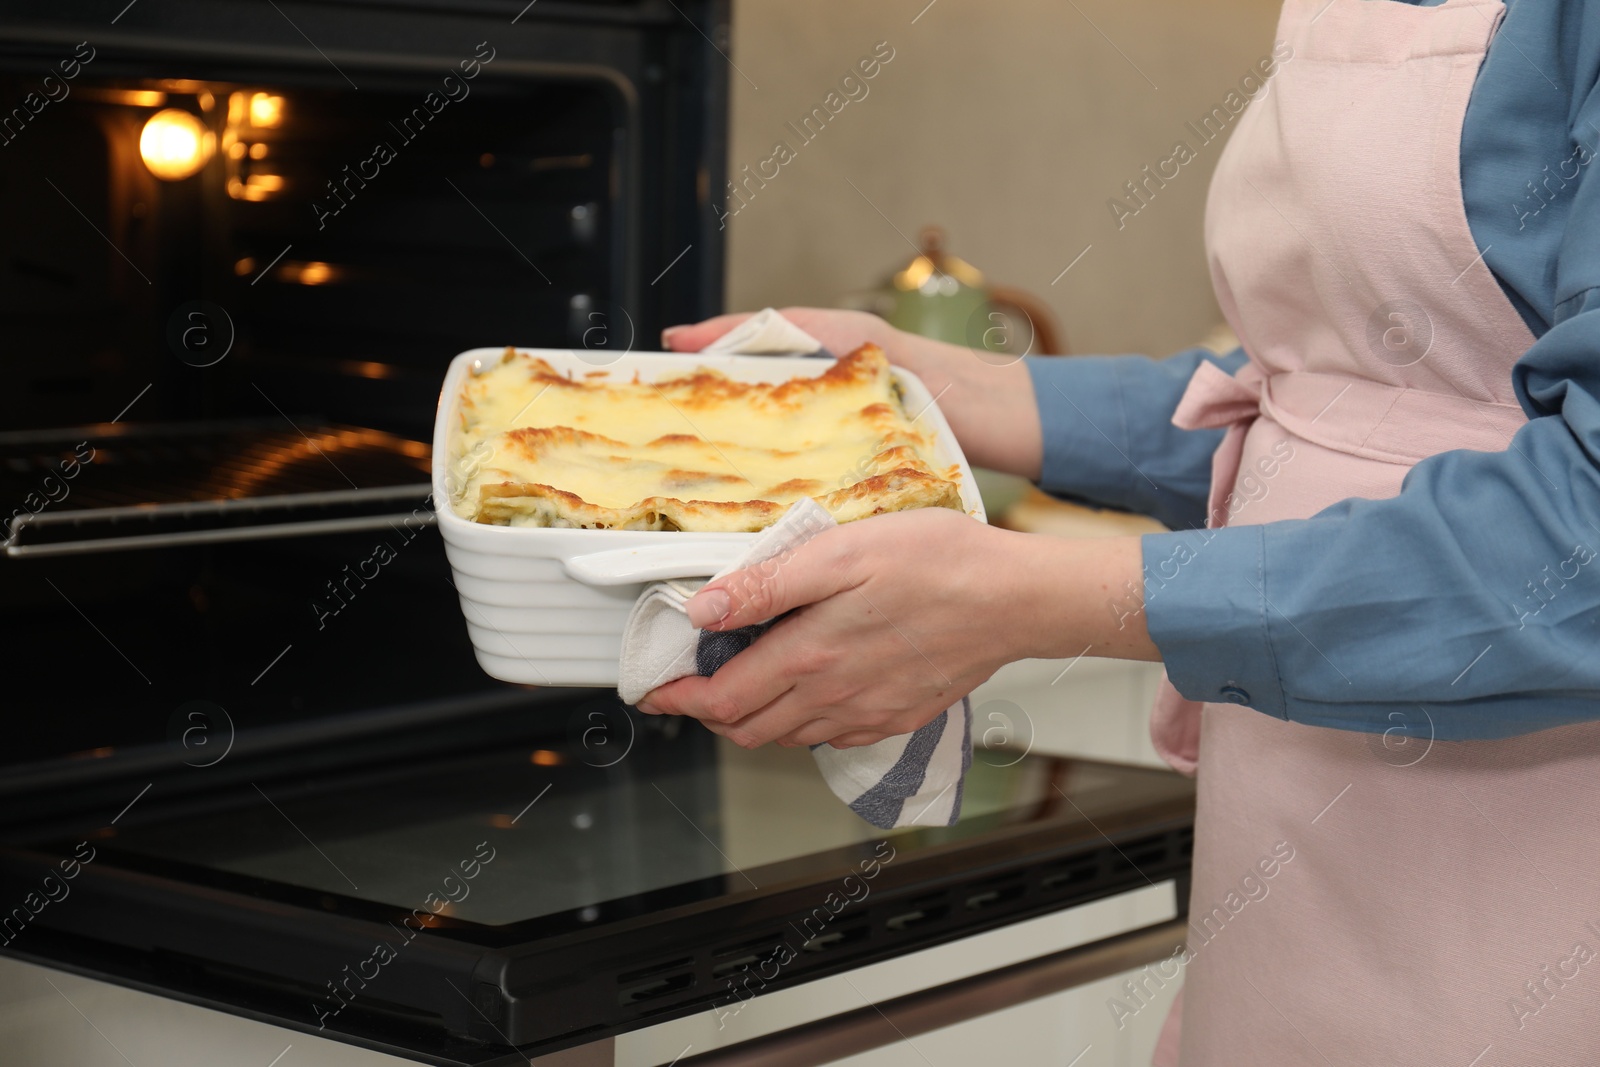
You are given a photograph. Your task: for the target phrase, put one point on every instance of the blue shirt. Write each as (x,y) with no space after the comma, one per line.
(1471,600)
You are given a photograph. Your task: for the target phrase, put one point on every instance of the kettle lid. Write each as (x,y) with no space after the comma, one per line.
(932,264)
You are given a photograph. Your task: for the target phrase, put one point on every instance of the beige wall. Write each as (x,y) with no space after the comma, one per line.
(1010,123)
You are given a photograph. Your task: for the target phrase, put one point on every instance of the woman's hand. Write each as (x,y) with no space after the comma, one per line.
(900,616)
(990,405)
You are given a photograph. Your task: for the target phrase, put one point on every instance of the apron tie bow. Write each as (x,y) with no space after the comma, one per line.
(1216,398)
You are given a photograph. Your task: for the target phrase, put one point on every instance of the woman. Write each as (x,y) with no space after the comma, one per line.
(1389,597)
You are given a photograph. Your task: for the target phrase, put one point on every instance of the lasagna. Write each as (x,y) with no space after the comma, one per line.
(701,452)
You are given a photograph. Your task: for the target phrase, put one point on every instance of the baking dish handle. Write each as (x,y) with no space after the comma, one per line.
(649,563)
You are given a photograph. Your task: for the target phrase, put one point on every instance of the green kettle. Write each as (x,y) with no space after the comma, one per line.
(943,296)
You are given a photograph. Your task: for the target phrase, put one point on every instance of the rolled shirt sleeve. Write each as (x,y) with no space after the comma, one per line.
(1108,434)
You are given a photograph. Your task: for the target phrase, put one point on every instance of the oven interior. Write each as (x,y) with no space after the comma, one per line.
(218,390)
(235,270)
(291,267)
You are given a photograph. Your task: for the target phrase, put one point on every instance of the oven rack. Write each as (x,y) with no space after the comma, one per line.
(111,487)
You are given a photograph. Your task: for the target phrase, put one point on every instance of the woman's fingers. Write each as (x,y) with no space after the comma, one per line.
(857,738)
(804,575)
(826,731)
(728,706)
(747,688)
(759,677)
(727,697)
(810,734)
(790,714)
(695,336)
(840,669)
(813,733)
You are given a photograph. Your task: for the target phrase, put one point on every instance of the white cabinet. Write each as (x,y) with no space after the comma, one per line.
(1097,708)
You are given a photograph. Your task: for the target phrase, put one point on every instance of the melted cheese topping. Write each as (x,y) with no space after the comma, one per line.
(696,452)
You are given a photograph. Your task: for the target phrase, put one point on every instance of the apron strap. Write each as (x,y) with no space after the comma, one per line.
(1375,420)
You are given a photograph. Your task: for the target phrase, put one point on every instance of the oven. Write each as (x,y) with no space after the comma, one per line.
(252,762)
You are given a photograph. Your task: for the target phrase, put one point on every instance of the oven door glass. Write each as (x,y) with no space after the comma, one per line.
(581,833)
(229,298)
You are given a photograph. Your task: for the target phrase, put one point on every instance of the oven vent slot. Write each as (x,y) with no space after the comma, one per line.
(658,987)
(654,969)
(1111,863)
(832,939)
(1083,872)
(990,894)
(749,945)
(734,966)
(920,913)
(1138,855)
(743,963)
(746,954)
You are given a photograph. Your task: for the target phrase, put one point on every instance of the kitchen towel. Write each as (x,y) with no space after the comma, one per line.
(911,779)
(767,333)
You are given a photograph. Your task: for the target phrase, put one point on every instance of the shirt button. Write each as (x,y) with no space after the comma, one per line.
(1234,695)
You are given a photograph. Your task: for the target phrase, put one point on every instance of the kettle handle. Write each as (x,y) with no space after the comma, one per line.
(1048,337)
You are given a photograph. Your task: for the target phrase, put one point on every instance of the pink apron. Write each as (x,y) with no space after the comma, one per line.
(1441,901)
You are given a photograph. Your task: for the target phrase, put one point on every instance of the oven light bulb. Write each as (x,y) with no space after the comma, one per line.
(266,110)
(175,144)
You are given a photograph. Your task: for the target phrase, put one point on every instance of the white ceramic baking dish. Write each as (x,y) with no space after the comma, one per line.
(547,606)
